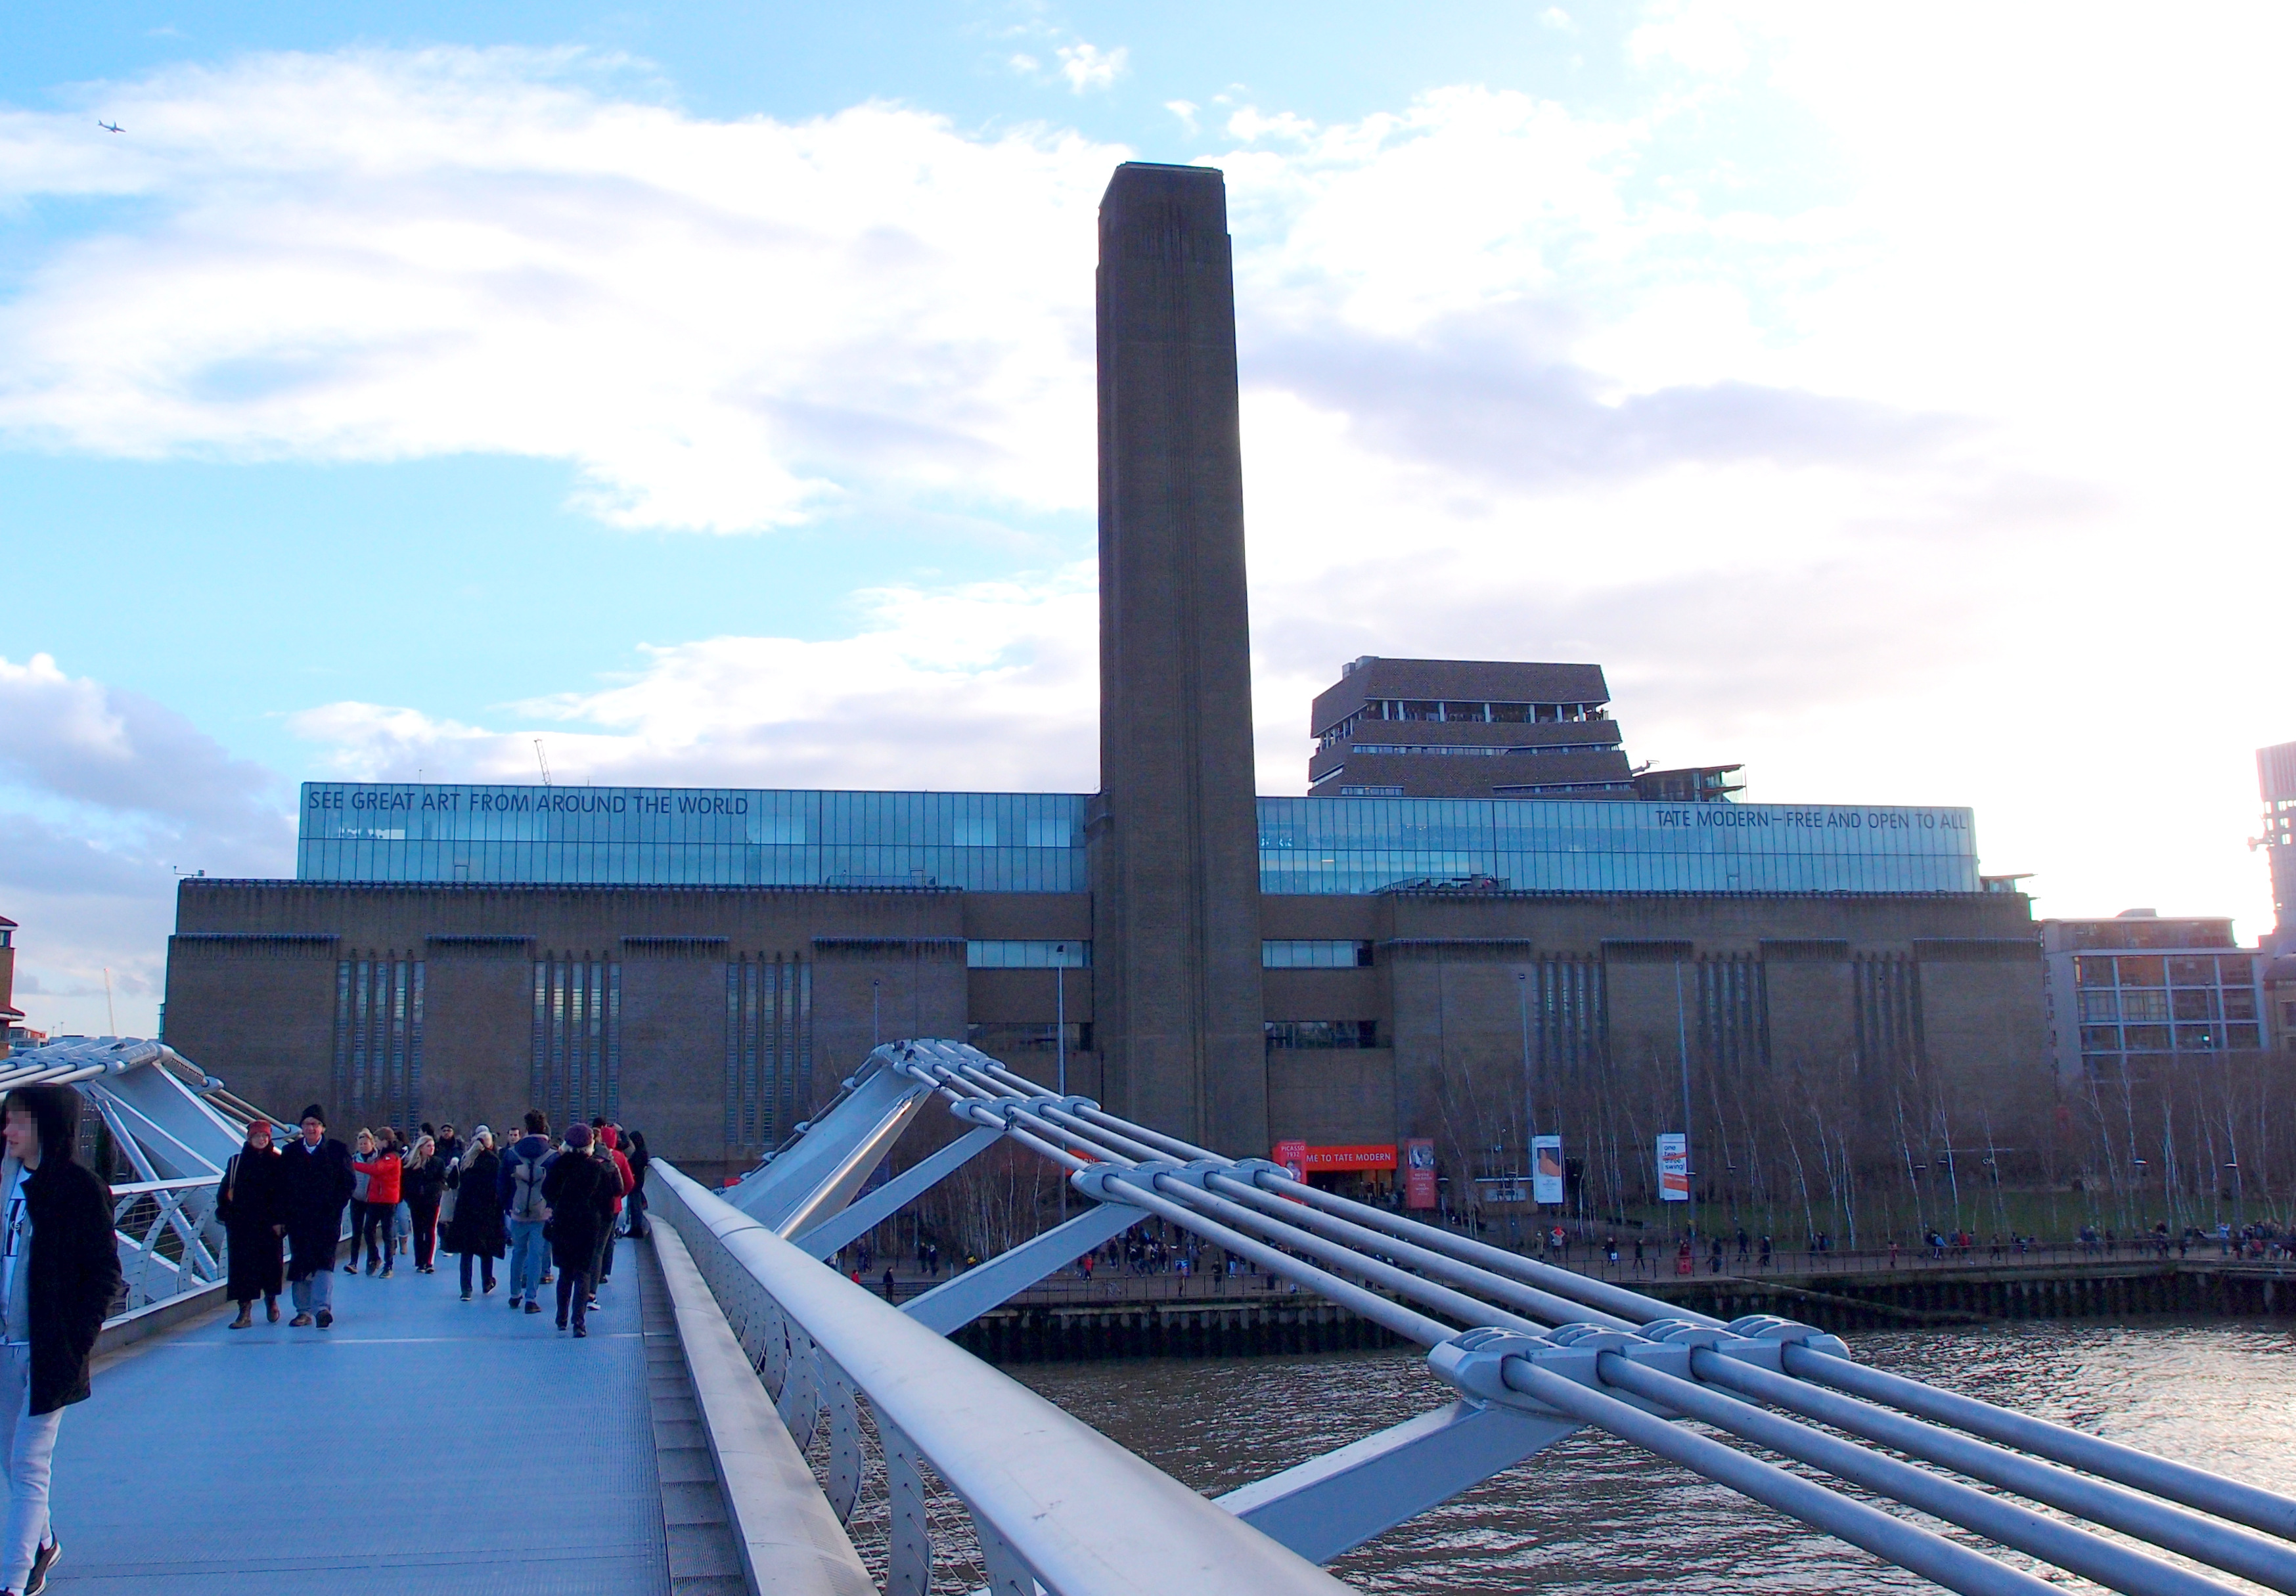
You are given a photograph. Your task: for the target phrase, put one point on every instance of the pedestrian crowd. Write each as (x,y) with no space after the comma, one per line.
(553,1206)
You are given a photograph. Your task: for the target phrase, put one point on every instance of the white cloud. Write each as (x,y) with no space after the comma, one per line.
(1088,66)
(1558,19)
(104,796)
(375,255)
(1916,444)
(990,686)
(1185,111)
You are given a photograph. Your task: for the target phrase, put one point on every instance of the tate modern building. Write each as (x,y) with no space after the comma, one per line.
(1478,885)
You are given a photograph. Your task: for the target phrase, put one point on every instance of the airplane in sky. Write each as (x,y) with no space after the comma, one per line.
(108,126)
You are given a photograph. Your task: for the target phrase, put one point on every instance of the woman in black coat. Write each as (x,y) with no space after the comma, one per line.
(580,1190)
(420,1186)
(252,1204)
(479,1230)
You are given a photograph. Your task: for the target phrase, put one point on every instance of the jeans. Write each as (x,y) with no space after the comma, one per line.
(359,1229)
(637,1208)
(28,1443)
(602,1258)
(486,1270)
(573,1284)
(314,1293)
(528,1252)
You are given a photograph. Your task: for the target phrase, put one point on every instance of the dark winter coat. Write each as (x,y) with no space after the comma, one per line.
(251,1200)
(316,1185)
(422,1187)
(478,1227)
(75,1267)
(581,1191)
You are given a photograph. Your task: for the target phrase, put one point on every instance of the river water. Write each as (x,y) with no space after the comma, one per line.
(1594,1513)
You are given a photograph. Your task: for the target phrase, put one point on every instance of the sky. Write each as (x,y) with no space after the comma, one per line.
(1891,399)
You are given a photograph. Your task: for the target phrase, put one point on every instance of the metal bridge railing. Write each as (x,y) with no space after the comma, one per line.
(1051,1499)
(1535,1353)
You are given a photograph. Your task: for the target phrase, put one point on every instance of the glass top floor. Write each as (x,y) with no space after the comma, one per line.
(1034,842)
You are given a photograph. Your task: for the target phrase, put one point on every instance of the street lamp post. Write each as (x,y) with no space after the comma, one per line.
(876,1031)
(1061,1012)
(1682,1052)
(1529,1102)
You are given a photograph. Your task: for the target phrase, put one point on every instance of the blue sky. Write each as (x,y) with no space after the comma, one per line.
(1889,402)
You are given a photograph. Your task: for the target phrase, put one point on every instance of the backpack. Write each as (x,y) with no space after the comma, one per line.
(526,1188)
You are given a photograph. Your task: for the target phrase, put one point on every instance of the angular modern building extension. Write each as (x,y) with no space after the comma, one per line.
(1548,943)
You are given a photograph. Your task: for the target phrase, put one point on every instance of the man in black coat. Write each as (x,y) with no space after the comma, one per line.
(59,1272)
(317,1182)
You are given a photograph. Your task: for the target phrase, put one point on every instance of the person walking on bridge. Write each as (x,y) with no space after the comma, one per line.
(318,1183)
(524,1163)
(604,1148)
(59,1272)
(580,1190)
(379,1162)
(251,1204)
(423,1184)
(478,1233)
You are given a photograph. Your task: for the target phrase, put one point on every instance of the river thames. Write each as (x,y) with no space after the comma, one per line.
(1596,1514)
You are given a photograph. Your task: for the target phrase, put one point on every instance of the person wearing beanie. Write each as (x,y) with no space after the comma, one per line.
(581,1191)
(58,1269)
(249,1201)
(318,1181)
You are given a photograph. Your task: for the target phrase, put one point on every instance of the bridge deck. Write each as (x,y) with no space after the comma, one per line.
(422,1440)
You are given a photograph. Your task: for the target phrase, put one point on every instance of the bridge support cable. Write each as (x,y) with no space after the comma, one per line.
(1554,1350)
(2268,1562)
(2112,1564)
(1891,1538)
(2230,1499)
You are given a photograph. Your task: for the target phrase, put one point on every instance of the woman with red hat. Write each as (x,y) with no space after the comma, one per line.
(252,1204)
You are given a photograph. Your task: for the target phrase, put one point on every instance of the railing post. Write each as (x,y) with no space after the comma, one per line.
(909,1566)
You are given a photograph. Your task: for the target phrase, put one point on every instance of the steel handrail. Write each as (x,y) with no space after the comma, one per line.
(1084,1515)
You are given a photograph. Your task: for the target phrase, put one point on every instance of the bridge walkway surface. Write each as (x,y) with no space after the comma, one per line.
(420,1439)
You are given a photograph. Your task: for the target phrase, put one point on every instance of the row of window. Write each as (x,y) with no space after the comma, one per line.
(1010,954)
(2156,1038)
(2155,970)
(2151,1005)
(1323,1032)
(1484,712)
(1296,954)
(378,1051)
(1480,750)
(574,1061)
(1001,1041)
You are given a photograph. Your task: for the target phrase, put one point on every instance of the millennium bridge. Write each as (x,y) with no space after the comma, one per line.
(749,1419)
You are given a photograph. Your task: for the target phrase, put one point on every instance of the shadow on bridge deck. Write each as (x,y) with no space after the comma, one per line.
(424,1439)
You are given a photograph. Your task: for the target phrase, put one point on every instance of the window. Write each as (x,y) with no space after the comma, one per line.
(2240,1002)
(2142,972)
(2193,971)
(1323,1032)
(1003,1040)
(2288,1013)
(1028,955)
(2100,1036)
(2152,1038)
(2236,971)
(2241,1036)
(2097,1006)
(2092,972)
(1275,955)
(2194,1004)
(2198,1037)
(2144,1005)
(1455,711)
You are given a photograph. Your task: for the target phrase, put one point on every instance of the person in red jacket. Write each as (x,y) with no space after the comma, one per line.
(381,1204)
(609,1147)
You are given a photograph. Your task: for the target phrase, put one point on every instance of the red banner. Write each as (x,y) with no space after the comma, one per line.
(1419,1172)
(1293,1156)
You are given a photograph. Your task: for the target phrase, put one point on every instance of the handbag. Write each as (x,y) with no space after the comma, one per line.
(453,1190)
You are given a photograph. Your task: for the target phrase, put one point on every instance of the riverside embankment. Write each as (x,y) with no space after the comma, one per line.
(1165,1316)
